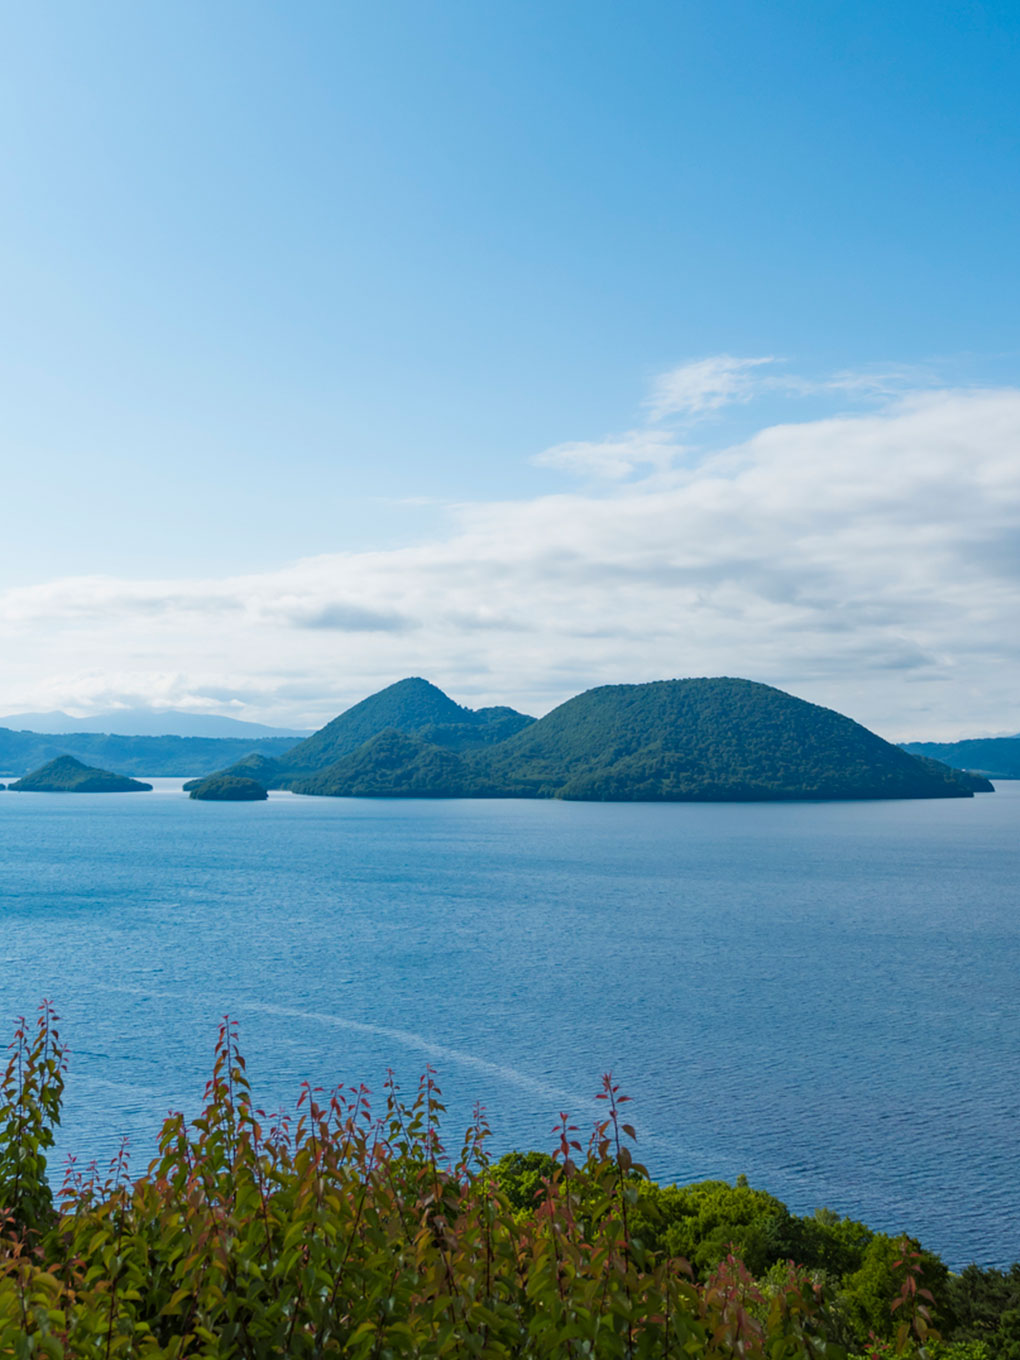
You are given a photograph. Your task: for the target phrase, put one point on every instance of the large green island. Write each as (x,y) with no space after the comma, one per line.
(698,740)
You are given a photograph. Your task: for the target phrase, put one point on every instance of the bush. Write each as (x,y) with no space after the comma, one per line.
(343,1231)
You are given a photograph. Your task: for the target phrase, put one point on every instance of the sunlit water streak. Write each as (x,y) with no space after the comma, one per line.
(823,996)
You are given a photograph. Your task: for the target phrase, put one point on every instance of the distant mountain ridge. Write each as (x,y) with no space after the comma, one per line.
(147,722)
(994,757)
(23,751)
(721,739)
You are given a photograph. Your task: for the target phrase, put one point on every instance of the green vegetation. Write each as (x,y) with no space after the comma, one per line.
(22,751)
(67,775)
(673,740)
(709,1223)
(985,1305)
(343,1230)
(994,757)
(226,788)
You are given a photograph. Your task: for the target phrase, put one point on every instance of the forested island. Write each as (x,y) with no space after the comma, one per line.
(353,1230)
(67,775)
(227,788)
(667,741)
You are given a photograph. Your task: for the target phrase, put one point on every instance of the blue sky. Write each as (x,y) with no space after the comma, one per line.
(296,297)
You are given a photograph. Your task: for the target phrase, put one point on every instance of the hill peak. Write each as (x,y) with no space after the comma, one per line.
(413,686)
(62,764)
(410,705)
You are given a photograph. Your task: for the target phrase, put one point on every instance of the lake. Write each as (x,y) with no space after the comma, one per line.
(823,996)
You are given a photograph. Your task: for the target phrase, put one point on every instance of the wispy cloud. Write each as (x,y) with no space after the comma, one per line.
(705,385)
(866,561)
(616,456)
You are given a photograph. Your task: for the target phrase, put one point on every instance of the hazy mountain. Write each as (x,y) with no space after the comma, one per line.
(673,740)
(21,751)
(146,722)
(996,757)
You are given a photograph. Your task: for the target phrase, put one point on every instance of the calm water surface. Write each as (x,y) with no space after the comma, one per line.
(823,996)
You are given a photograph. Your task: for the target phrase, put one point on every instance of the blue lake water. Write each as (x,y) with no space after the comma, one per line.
(823,996)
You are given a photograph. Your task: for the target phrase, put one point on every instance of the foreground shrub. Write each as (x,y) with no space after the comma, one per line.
(346,1231)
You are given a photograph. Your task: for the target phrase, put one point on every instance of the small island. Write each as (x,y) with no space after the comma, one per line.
(227,788)
(67,775)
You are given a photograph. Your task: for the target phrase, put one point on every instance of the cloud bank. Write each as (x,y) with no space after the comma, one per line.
(870,562)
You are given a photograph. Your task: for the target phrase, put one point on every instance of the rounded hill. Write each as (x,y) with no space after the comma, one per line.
(707,740)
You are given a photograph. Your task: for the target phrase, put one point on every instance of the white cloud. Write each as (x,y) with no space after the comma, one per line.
(868,562)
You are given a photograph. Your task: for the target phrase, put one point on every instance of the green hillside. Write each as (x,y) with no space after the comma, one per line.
(997,757)
(392,765)
(668,741)
(485,727)
(67,775)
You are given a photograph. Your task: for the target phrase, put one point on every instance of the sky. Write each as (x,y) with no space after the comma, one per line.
(526,347)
